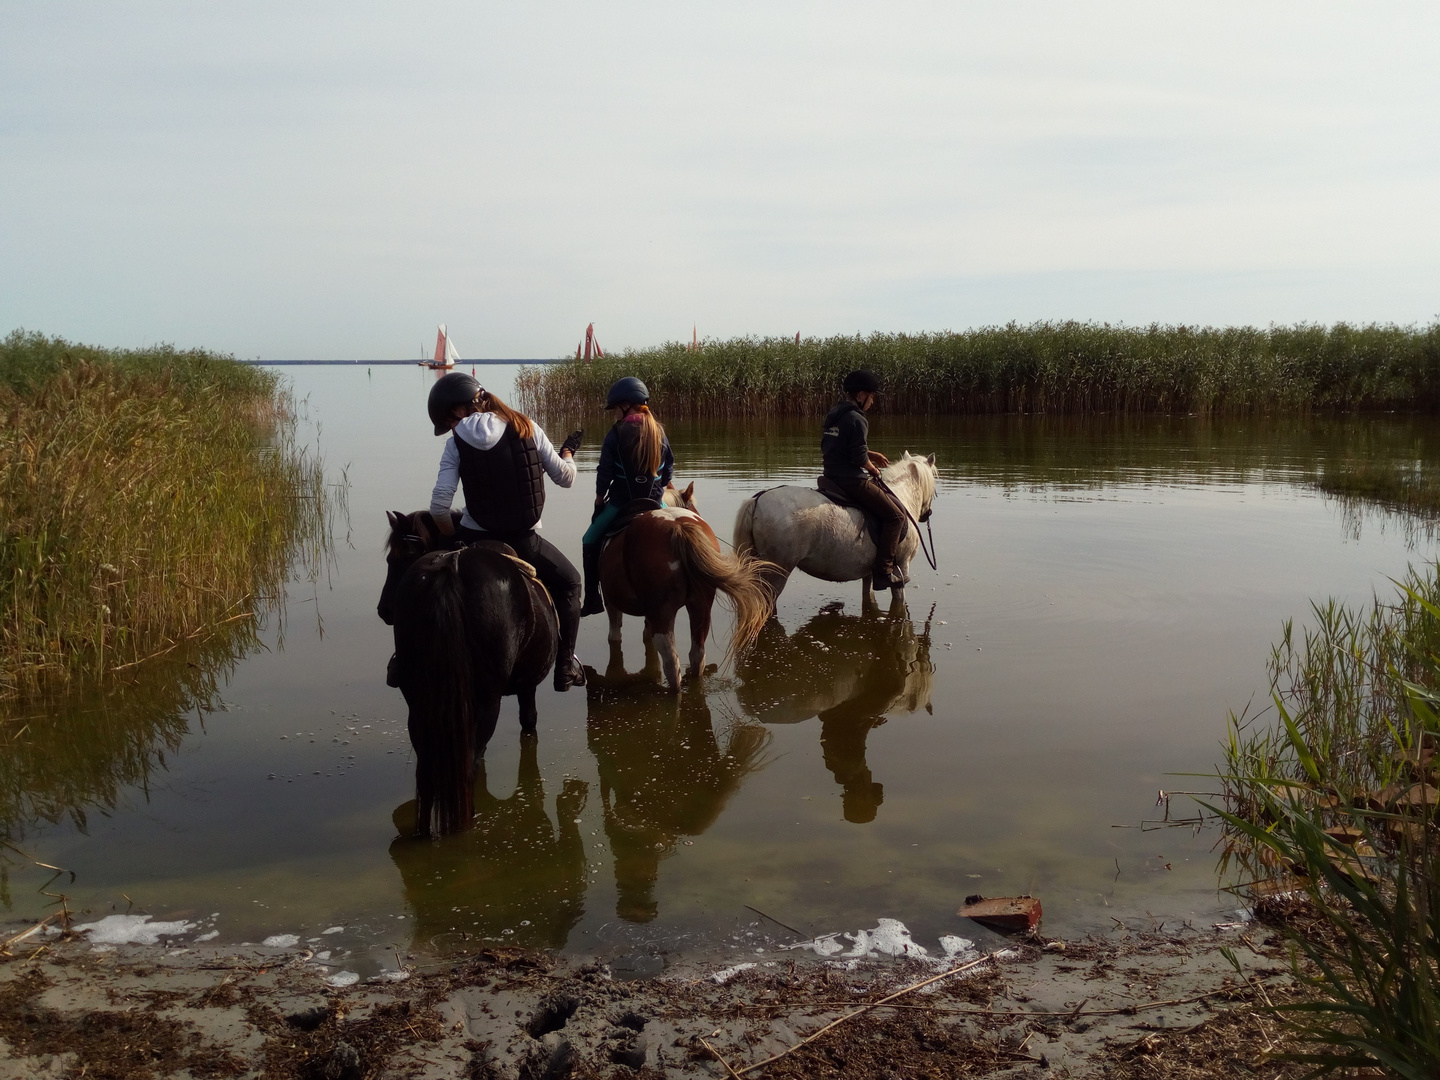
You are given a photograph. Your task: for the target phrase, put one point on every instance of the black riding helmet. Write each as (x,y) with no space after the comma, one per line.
(627,391)
(860,380)
(450,390)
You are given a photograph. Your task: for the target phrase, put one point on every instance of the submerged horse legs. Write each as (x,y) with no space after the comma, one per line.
(699,609)
(528,713)
(487,713)
(660,637)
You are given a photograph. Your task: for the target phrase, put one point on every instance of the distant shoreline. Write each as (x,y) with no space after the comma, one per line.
(380,363)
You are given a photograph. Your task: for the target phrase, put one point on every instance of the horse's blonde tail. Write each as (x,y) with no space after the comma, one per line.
(740,577)
(744,537)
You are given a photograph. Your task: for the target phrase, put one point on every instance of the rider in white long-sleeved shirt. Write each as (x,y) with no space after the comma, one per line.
(500,457)
(483,431)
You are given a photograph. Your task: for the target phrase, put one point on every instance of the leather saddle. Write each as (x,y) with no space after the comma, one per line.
(629,512)
(836,494)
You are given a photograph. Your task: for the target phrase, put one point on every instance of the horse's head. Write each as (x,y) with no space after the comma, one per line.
(411,535)
(925,476)
(683,499)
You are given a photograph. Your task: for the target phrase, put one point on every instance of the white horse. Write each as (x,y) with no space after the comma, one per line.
(799,528)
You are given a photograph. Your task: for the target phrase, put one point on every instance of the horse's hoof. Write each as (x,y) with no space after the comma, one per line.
(568,675)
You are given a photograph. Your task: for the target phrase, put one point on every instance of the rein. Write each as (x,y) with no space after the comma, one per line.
(929,555)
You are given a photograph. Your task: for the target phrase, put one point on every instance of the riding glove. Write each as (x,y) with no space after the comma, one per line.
(572,441)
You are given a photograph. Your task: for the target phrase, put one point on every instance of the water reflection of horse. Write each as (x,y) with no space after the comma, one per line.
(471,626)
(852,672)
(799,528)
(663,775)
(515,870)
(668,559)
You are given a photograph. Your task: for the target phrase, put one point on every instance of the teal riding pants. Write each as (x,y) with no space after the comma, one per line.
(600,524)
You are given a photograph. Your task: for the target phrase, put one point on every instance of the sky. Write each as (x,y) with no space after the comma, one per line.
(328,181)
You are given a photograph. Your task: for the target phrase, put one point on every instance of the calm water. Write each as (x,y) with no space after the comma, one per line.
(1106,592)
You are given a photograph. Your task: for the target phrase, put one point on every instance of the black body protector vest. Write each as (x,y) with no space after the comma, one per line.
(505,485)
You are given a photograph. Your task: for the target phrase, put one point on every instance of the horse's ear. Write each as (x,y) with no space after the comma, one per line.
(689,491)
(930,461)
(394,517)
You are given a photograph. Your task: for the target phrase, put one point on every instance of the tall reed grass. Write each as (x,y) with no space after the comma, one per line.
(147,499)
(1330,820)
(1043,367)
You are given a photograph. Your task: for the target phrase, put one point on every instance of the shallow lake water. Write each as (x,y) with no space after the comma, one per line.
(1107,590)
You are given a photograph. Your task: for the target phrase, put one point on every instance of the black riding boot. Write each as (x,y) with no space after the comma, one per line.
(568,671)
(590,563)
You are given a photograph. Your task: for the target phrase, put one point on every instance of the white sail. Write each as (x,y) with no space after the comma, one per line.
(452,354)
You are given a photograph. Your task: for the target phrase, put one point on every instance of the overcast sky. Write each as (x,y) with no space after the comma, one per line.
(329,181)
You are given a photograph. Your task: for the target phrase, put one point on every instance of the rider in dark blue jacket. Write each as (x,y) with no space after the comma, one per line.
(635,463)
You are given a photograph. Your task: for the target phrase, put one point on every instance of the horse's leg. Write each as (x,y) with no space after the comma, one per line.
(616,668)
(487,713)
(528,713)
(699,609)
(774,578)
(617,618)
(664,636)
(897,602)
(652,657)
(867,594)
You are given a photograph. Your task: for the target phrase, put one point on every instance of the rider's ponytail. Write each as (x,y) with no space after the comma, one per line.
(488,402)
(649,447)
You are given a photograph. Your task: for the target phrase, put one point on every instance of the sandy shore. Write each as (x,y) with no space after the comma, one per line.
(1124,1005)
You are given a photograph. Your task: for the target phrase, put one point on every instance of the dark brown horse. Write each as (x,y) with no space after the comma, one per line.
(472,625)
(669,559)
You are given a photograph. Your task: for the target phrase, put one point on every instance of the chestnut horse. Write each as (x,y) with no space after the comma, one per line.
(471,626)
(668,559)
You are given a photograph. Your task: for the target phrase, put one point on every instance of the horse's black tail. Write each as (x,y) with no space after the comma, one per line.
(442,721)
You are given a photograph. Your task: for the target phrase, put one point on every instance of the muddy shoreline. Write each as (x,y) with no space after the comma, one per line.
(1124,1004)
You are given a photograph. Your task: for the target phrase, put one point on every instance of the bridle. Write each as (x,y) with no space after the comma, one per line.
(924,516)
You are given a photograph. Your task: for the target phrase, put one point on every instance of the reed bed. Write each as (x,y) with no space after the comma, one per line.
(1066,367)
(1330,823)
(148,500)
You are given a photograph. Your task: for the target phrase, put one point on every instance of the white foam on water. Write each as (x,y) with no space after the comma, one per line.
(724,975)
(889,937)
(211,936)
(132,930)
(281,941)
(333,930)
(958,948)
(343,978)
(389,976)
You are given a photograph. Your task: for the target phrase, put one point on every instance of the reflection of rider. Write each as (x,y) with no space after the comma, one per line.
(850,672)
(635,463)
(514,866)
(855,468)
(500,458)
(662,776)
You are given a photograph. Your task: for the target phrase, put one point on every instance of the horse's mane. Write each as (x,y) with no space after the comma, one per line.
(908,465)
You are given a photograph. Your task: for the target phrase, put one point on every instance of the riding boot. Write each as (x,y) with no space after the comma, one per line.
(568,671)
(590,563)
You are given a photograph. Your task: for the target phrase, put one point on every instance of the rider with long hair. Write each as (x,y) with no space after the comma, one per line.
(500,457)
(635,463)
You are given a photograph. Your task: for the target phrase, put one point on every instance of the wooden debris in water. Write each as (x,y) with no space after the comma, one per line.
(1003,912)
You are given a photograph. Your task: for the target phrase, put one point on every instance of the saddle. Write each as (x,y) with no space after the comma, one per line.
(836,494)
(629,512)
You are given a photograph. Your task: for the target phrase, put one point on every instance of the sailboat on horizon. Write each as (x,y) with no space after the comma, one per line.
(446,355)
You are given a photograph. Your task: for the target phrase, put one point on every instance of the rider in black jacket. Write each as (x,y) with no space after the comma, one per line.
(855,469)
